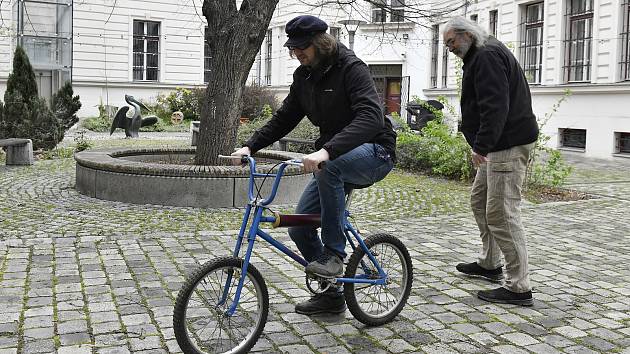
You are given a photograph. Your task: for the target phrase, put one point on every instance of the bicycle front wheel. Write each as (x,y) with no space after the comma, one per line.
(375,305)
(201,321)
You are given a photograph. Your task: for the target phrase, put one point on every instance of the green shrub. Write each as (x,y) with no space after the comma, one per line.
(254,99)
(304,130)
(97,124)
(187,101)
(82,142)
(436,151)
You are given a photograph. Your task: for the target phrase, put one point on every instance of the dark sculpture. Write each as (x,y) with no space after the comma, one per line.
(420,115)
(131,125)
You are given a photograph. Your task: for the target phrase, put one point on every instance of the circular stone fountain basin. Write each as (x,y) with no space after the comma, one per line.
(165,176)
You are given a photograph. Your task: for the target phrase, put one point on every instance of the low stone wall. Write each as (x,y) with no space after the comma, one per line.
(128,175)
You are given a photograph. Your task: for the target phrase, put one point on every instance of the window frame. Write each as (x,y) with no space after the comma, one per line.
(577,68)
(493,22)
(532,68)
(624,61)
(444,66)
(388,11)
(569,134)
(268,58)
(435,50)
(144,53)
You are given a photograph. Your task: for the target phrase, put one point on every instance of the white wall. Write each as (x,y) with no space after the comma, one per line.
(600,106)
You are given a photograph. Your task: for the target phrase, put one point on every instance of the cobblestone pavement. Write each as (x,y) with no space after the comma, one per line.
(79,275)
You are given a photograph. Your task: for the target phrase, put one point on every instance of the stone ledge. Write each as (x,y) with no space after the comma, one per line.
(107,174)
(113,160)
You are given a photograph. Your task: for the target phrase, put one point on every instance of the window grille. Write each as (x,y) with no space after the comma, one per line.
(622,142)
(573,138)
(435,47)
(444,66)
(146,50)
(578,43)
(268,58)
(398,11)
(494,20)
(388,11)
(625,41)
(531,49)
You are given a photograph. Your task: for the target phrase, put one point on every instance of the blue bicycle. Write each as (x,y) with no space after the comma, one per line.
(223,305)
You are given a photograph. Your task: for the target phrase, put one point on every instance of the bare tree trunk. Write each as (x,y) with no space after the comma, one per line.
(235,37)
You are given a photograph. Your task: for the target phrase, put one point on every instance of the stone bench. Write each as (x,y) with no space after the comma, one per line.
(286,140)
(19,151)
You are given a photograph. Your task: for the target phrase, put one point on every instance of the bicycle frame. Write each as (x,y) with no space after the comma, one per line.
(257,207)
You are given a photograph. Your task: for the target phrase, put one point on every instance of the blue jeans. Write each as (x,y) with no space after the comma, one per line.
(325,195)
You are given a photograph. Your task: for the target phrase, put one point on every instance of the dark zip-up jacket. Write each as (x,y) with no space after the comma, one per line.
(340,98)
(496,103)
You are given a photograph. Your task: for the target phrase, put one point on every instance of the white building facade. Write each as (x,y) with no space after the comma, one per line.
(578,45)
(144,48)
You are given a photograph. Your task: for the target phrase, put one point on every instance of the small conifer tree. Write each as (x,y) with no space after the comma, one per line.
(26,115)
(65,106)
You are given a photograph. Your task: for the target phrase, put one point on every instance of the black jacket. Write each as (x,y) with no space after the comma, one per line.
(496,103)
(340,98)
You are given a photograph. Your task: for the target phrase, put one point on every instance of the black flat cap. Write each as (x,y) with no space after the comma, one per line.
(301,30)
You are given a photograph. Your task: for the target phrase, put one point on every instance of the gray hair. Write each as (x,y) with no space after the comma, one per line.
(461,24)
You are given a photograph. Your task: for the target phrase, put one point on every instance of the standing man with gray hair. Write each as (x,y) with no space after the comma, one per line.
(499,125)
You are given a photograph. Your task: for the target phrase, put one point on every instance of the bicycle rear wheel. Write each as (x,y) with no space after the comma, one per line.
(200,321)
(378,304)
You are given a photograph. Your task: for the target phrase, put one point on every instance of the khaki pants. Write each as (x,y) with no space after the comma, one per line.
(496,204)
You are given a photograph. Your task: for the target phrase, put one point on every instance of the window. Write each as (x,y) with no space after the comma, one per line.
(398,11)
(388,11)
(625,41)
(334,31)
(573,138)
(206,56)
(622,143)
(474,18)
(435,47)
(494,20)
(268,58)
(531,48)
(579,29)
(146,50)
(444,66)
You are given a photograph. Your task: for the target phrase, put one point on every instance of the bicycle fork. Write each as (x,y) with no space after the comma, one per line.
(251,238)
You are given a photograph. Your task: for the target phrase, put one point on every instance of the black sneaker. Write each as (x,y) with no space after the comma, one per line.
(327,302)
(475,270)
(505,296)
(327,265)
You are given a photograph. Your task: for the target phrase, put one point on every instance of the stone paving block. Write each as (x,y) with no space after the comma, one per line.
(570,332)
(39,346)
(75,349)
(321,340)
(508,349)
(39,333)
(295,349)
(542,348)
(396,345)
(8,351)
(75,338)
(147,343)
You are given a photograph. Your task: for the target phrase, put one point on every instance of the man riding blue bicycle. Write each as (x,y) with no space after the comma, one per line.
(334,89)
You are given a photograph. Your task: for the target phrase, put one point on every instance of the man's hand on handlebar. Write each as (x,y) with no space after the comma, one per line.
(244,151)
(312,161)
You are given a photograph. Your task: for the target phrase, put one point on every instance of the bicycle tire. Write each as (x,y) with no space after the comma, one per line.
(400,275)
(197,291)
